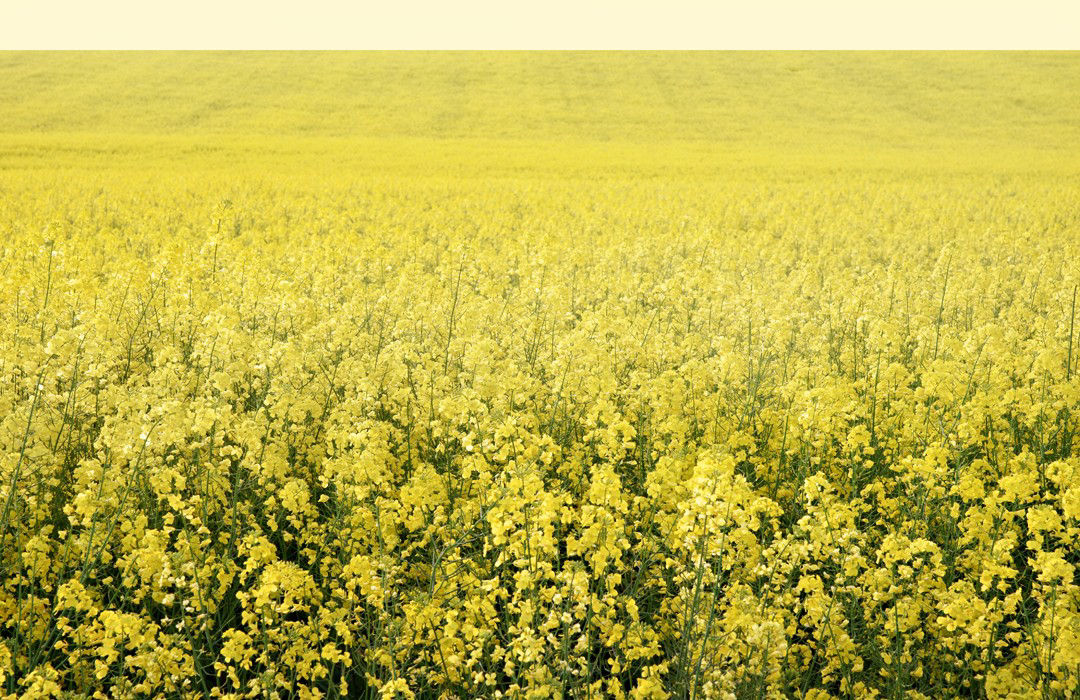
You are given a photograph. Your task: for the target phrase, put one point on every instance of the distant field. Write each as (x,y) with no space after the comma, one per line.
(539,375)
(998,110)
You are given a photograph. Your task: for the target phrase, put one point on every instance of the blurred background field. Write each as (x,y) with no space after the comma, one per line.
(526,112)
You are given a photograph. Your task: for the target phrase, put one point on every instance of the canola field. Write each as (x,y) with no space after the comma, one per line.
(516,375)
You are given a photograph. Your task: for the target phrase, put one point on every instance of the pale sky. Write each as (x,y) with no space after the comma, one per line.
(554,24)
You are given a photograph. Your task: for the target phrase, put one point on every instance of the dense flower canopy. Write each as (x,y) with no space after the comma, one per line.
(318,416)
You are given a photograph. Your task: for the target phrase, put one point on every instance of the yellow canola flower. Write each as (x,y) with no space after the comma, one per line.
(539,375)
